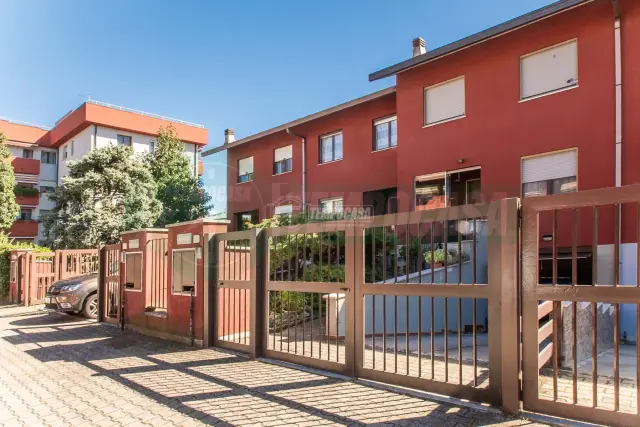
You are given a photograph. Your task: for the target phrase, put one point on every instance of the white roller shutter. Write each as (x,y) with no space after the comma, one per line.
(444,101)
(283,153)
(551,166)
(549,70)
(245,166)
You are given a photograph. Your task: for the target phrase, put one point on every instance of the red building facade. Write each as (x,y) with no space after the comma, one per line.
(498,130)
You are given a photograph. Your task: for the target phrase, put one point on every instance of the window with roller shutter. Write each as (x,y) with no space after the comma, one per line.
(444,101)
(283,160)
(548,174)
(549,70)
(245,170)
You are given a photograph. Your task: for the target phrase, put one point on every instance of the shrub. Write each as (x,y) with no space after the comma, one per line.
(25,191)
(6,246)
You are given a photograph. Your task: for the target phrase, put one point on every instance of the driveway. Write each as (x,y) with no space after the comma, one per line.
(63,370)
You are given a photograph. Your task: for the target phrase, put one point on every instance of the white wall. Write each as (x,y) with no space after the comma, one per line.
(81,146)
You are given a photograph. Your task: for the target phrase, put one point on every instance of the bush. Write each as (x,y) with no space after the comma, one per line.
(6,246)
(19,190)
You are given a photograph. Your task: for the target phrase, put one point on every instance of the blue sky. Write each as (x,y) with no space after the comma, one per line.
(249,65)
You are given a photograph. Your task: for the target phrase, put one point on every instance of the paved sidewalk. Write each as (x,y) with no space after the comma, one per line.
(64,370)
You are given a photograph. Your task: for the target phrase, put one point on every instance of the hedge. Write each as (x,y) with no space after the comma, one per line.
(6,246)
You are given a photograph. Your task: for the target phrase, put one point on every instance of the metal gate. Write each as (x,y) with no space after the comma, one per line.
(429,302)
(109,275)
(309,288)
(236,295)
(576,364)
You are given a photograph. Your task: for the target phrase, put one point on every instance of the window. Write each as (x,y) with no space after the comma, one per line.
(26,214)
(331,148)
(65,155)
(548,174)
(27,153)
(43,214)
(49,157)
(124,140)
(445,101)
(152,146)
(333,205)
(184,270)
(283,160)
(245,170)
(133,271)
(549,70)
(244,219)
(71,150)
(45,189)
(284,210)
(385,133)
(453,188)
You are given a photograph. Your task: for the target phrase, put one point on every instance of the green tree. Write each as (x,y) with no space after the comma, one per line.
(106,192)
(181,193)
(8,207)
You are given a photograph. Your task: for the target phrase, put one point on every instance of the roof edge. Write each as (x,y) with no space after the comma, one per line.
(305,119)
(480,37)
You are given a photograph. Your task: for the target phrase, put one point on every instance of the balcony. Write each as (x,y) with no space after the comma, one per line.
(24,229)
(26,166)
(24,200)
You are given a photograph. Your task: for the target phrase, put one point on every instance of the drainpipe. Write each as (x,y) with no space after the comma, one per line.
(304,167)
(618,91)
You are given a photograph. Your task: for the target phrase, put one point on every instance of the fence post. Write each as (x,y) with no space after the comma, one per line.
(102,273)
(208,293)
(259,301)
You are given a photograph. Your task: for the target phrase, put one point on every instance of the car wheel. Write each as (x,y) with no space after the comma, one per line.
(90,309)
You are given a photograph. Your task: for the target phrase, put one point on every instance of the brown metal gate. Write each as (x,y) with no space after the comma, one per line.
(236,294)
(435,301)
(110,284)
(576,363)
(309,288)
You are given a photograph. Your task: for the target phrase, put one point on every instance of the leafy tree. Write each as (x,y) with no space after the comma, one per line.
(106,192)
(181,193)
(8,207)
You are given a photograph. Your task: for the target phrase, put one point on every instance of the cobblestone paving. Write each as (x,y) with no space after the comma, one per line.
(62,370)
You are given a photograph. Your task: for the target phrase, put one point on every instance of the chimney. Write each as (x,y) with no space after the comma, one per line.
(419,47)
(228,136)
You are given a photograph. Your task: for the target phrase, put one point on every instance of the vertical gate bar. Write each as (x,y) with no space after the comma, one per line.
(460,337)
(420,326)
(475,346)
(281,314)
(432,268)
(320,317)
(574,351)
(395,254)
(272,298)
(407,253)
(432,321)
(616,246)
(295,277)
(289,318)
(420,255)
(295,319)
(373,336)
(594,352)
(459,253)
(281,262)
(594,249)
(446,336)
(304,321)
(373,254)
(243,319)
(473,274)
(338,327)
(384,330)
(395,321)
(554,266)
(616,351)
(445,236)
(222,332)
(234,326)
(312,321)
(289,262)
(320,235)
(338,250)
(557,319)
(406,332)
(384,257)
(304,257)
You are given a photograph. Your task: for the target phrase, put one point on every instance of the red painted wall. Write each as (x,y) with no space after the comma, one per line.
(360,170)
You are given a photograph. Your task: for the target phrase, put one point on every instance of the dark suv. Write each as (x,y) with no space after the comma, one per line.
(77,295)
